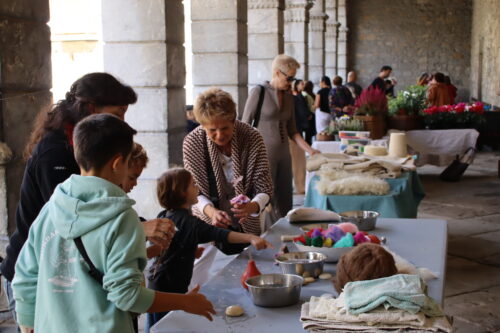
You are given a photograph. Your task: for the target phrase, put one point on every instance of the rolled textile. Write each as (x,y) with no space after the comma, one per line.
(397,145)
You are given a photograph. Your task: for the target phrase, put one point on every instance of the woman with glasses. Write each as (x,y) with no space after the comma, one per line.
(276,122)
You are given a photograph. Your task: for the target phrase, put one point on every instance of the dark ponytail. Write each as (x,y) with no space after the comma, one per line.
(99,89)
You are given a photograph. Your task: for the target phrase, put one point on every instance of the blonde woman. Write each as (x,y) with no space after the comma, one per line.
(226,158)
(277,125)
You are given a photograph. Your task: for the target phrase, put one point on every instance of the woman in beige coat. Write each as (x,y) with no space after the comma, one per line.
(277,125)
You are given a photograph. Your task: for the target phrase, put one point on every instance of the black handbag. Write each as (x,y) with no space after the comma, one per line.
(456,169)
(256,119)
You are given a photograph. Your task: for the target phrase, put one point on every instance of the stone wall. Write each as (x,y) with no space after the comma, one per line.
(412,36)
(25,81)
(485,51)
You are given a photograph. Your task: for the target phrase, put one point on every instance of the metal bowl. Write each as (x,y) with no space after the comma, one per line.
(274,290)
(304,264)
(364,219)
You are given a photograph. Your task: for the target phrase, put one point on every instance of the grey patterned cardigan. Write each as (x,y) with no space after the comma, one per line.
(250,164)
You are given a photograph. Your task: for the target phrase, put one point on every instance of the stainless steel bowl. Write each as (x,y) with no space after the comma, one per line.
(304,264)
(364,219)
(274,290)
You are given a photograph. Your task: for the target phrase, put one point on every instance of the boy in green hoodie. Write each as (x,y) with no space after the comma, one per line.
(52,286)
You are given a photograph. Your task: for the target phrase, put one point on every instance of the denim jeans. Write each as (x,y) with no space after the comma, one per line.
(10,299)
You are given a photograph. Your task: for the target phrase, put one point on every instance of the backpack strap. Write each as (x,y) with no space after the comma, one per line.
(256,119)
(93,271)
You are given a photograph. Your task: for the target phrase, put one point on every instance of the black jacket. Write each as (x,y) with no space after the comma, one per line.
(51,163)
(302,113)
(172,271)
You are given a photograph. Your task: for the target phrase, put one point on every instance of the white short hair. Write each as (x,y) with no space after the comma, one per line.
(284,63)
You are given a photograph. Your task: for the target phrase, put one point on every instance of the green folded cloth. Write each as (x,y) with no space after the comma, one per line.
(400,291)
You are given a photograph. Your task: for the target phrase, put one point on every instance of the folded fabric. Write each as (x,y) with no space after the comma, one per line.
(402,291)
(314,323)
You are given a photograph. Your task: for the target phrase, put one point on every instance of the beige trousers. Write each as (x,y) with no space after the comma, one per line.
(298,167)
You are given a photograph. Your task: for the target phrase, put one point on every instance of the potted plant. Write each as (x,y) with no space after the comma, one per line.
(371,108)
(460,115)
(405,109)
(329,133)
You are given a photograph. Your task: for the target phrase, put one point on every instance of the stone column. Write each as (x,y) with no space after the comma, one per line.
(317,19)
(296,33)
(342,40)
(331,35)
(265,38)
(25,82)
(219,37)
(5,157)
(145,50)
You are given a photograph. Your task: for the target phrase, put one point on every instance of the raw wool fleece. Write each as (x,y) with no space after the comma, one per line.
(250,167)
(338,182)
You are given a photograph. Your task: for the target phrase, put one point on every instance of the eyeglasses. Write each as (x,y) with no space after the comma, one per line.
(288,78)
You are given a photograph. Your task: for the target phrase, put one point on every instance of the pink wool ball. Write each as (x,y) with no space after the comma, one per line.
(348,227)
(360,238)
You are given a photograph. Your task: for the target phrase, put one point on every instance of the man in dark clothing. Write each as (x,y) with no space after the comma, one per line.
(354,88)
(379,81)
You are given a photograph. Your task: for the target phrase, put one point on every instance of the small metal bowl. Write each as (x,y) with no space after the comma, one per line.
(364,219)
(305,264)
(274,290)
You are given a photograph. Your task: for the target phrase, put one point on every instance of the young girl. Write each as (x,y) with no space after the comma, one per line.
(173,269)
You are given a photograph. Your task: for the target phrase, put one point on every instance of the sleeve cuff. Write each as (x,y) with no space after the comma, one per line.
(144,300)
(25,319)
(203,201)
(262,199)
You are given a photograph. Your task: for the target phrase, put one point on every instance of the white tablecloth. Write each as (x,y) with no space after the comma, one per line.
(439,147)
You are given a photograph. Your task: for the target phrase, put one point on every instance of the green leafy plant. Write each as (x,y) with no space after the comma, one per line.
(411,101)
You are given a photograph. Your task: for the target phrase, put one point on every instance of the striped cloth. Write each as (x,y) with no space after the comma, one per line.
(250,166)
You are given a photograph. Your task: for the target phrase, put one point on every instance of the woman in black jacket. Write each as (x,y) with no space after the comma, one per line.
(49,152)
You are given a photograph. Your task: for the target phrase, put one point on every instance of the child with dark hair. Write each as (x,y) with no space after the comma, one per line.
(366,261)
(172,271)
(85,252)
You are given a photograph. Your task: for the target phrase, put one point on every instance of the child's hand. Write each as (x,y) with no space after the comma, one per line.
(153,251)
(220,219)
(199,304)
(199,252)
(159,231)
(260,243)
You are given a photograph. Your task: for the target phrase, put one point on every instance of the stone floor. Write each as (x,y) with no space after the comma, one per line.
(472,209)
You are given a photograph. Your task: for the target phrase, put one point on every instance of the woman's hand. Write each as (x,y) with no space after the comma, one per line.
(260,243)
(159,231)
(219,218)
(242,211)
(199,304)
(314,151)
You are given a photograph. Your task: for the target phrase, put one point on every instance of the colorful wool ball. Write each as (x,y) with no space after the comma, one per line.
(308,240)
(317,241)
(316,233)
(300,239)
(328,242)
(349,227)
(346,241)
(374,239)
(336,234)
(360,238)
(309,233)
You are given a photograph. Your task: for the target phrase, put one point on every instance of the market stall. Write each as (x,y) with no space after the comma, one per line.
(404,237)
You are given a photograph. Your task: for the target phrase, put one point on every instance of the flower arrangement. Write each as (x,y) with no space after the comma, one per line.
(371,102)
(408,102)
(344,123)
(460,115)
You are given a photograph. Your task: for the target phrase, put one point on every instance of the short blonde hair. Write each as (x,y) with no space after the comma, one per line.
(138,157)
(214,104)
(284,63)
